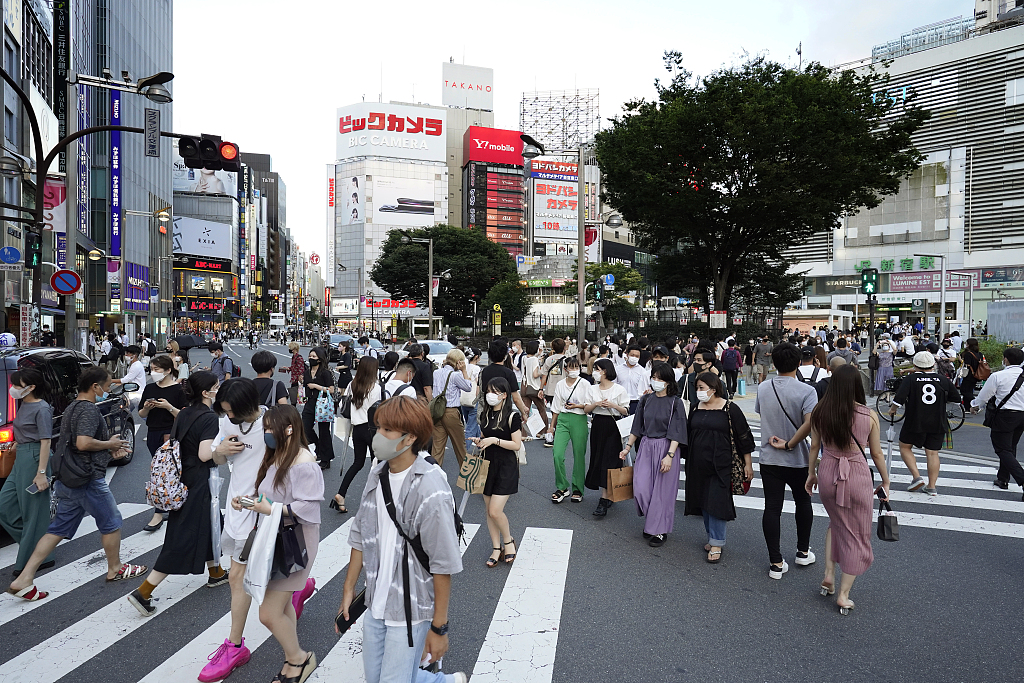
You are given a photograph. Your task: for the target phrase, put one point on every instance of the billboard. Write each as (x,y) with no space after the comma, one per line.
(493,145)
(927,281)
(197,237)
(351,193)
(340,307)
(331,218)
(469,87)
(390,130)
(201,180)
(555,210)
(402,201)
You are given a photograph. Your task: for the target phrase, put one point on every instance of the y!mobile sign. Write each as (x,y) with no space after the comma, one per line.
(471,87)
(391,130)
(493,145)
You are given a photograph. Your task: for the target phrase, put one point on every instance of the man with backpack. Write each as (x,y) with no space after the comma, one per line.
(732,361)
(400,382)
(79,467)
(551,374)
(271,392)
(222,366)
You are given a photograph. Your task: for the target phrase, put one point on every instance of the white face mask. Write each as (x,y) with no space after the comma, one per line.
(18,393)
(703,396)
(573,373)
(494,399)
(598,375)
(157,376)
(658,385)
(632,360)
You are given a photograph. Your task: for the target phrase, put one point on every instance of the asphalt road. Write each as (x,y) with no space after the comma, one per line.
(588,599)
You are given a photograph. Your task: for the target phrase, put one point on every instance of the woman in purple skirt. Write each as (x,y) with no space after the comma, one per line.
(842,426)
(660,426)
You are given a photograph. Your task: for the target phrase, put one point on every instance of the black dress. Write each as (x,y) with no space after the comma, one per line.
(709,460)
(503,471)
(188,543)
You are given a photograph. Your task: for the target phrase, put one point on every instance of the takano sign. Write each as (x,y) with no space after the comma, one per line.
(391,130)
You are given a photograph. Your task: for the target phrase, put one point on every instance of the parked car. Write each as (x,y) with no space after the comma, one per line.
(62,369)
(374,344)
(439,349)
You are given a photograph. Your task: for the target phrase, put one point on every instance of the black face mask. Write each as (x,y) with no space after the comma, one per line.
(236,420)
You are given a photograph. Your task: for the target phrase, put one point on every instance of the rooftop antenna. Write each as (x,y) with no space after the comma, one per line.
(380,95)
(800,56)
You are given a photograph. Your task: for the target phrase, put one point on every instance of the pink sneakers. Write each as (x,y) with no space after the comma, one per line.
(299,597)
(224,661)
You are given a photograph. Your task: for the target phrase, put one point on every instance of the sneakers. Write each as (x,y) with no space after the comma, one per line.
(459,677)
(657,540)
(299,597)
(775,572)
(931,492)
(917,484)
(144,605)
(225,660)
(804,559)
(212,582)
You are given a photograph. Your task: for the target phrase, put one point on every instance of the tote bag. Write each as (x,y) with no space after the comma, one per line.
(620,482)
(473,473)
(261,555)
(324,408)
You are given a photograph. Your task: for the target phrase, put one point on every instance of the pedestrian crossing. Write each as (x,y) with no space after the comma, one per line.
(948,511)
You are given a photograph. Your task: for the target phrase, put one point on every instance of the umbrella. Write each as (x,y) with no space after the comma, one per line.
(186,341)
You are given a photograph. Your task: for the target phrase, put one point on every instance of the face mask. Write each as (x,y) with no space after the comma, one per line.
(494,399)
(18,392)
(157,376)
(658,385)
(238,421)
(632,360)
(598,375)
(387,449)
(103,396)
(268,438)
(574,373)
(703,396)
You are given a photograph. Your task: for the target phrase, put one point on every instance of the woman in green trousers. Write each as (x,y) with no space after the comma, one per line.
(570,424)
(26,515)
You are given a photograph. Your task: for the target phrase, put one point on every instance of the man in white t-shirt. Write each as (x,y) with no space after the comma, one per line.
(635,378)
(136,374)
(400,383)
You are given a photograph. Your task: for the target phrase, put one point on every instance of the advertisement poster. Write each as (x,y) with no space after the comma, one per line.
(555,210)
(403,201)
(351,195)
(470,87)
(201,180)
(1002,277)
(55,204)
(401,131)
(332,224)
(494,145)
(197,237)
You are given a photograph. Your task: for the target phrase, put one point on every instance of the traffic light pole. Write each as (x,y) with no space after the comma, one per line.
(871,335)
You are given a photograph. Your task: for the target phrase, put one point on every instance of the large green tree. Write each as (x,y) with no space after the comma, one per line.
(626,279)
(753,159)
(476,265)
(514,299)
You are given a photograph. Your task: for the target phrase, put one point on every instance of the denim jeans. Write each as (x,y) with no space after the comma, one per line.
(74,503)
(716,530)
(472,426)
(387,657)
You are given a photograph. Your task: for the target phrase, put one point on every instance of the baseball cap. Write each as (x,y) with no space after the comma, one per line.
(807,352)
(924,360)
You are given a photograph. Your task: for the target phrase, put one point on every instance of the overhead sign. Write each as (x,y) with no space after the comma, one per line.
(10,255)
(469,87)
(390,130)
(152,143)
(492,145)
(66,282)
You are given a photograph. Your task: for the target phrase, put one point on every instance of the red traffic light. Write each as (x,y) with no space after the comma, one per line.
(228,151)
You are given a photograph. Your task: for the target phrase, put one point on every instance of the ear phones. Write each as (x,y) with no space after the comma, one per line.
(288,432)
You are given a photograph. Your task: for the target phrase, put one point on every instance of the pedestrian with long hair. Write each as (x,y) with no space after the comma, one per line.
(659,424)
(318,380)
(569,398)
(715,428)
(162,400)
(532,395)
(501,436)
(971,356)
(841,426)
(364,392)
(346,363)
(26,515)
(296,370)
(472,398)
(450,381)
(289,475)
(188,540)
(607,402)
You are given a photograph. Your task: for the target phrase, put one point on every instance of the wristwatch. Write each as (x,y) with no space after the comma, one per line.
(42,471)
(441,630)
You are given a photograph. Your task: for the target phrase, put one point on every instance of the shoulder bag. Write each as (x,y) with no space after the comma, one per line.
(740,485)
(983,371)
(873,362)
(888,527)
(290,554)
(784,412)
(67,468)
(439,403)
(992,408)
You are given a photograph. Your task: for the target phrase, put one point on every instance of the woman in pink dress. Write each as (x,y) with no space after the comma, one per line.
(841,426)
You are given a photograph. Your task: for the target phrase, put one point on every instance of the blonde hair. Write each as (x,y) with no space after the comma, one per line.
(293,346)
(173,346)
(454,357)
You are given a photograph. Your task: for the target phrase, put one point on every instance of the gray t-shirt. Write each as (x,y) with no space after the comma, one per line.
(761,352)
(798,399)
(33,422)
(86,420)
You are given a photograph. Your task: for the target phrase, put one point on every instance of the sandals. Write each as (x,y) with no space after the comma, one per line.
(828,588)
(129,571)
(31,594)
(714,556)
(492,562)
(510,557)
(307,668)
(577,497)
(335,505)
(558,496)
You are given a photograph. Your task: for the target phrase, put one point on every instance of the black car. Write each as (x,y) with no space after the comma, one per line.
(62,369)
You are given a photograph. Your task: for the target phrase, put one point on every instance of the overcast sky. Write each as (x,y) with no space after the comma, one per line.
(270,75)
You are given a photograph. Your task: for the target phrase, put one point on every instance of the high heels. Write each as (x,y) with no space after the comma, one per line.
(307,668)
(335,505)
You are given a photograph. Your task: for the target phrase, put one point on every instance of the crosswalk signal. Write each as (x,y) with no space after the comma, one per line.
(869,281)
(33,249)
(209,152)
(599,289)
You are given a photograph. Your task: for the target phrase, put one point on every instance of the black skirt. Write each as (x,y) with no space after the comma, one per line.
(188,541)
(502,474)
(605,446)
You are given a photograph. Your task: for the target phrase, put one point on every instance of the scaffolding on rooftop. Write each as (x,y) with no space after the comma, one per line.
(560,119)
(924,38)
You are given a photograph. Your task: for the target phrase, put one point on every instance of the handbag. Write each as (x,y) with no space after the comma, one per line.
(983,371)
(324,411)
(740,485)
(620,482)
(261,557)
(473,473)
(992,408)
(7,460)
(873,362)
(468,398)
(888,527)
(290,554)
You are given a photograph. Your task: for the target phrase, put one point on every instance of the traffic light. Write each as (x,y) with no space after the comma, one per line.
(869,281)
(33,249)
(599,289)
(209,152)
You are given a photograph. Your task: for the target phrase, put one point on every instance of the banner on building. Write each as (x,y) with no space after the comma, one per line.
(469,87)
(390,130)
(115,174)
(195,237)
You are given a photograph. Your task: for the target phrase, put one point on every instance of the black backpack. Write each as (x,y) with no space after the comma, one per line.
(813,379)
(150,349)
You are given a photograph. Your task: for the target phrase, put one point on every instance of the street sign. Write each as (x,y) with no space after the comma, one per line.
(314,258)
(609,288)
(609,279)
(718,319)
(10,255)
(66,282)
(154,294)
(12,266)
(918,305)
(152,131)
(497,318)
(497,307)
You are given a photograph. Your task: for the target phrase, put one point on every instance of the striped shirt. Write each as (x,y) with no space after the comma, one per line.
(458,384)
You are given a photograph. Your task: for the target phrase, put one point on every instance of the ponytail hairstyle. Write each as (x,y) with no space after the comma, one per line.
(196,384)
(165,363)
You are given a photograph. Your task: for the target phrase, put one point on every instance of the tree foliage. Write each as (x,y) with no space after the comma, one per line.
(626,279)
(476,265)
(514,299)
(750,160)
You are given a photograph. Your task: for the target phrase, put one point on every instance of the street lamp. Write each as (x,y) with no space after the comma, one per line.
(942,296)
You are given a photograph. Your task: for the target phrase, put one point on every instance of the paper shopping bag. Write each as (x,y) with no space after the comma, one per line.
(620,484)
(473,474)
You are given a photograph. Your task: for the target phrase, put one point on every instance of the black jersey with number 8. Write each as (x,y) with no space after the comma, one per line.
(924,396)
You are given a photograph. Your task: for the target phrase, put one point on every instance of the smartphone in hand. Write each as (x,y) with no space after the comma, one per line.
(355,610)
(33,488)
